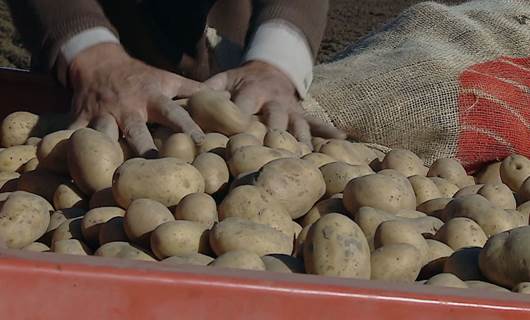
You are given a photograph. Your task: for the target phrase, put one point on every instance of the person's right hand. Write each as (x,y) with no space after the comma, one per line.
(113,91)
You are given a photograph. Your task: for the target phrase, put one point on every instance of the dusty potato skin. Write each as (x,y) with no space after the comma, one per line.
(336,246)
(60,216)
(94,219)
(31,165)
(142,217)
(253,204)
(252,158)
(403,161)
(194,259)
(318,159)
(257,129)
(368,219)
(92,159)
(13,158)
(165,180)
(240,234)
(396,262)
(338,174)
(214,171)
(467,191)
(280,139)
(215,143)
(69,229)
(490,174)
(321,208)
(300,241)
(102,198)
(112,231)
(438,249)
(464,263)
(52,151)
(524,210)
(122,250)
(397,231)
(424,189)
(71,246)
(240,140)
(24,218)
(378,191)
(8,181)
(198,207)
(483,285)
(283,263)
(451,170)
(179,238)
(499,195)
(446,280)
(36,247)
(239,259)
(67,195)
(17,127)
(461,233)
(447,189)
(434,207)
(180,146)
(342,150)
(514,170)
(294,183)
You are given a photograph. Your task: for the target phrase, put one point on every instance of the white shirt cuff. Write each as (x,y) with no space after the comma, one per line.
(285,47)
(79,42)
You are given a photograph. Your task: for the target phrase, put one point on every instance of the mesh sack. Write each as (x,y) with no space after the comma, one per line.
(442,81)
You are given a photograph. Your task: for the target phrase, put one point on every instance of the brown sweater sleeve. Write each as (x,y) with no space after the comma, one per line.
(309,16)
(46,24)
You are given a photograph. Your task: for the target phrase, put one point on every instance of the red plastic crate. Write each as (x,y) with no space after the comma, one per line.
(53,286)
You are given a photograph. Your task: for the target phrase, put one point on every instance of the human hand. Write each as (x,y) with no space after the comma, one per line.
(113,92)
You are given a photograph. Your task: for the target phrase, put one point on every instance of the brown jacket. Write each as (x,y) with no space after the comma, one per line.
(160,24)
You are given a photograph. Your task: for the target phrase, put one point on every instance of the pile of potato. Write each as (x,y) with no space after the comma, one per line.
(258,199)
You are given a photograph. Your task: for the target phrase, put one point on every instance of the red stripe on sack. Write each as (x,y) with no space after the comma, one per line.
(505,71)
(523,62)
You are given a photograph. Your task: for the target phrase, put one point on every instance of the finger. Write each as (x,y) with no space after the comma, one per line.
(247,101)
(78,117)
(138,136)
(218,82)
(176,86)
(301,130)
(107,124)
(175,117)
(320,129)
(276,116)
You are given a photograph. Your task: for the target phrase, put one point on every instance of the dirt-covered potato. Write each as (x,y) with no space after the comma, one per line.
(369,219)
(254,204)
(499,195)
(524,210)
(336,246)
(438,249)
(122,250)
(321,208)
(58,217)
(92,159)
(424,189)
(240,234)
(403,161)
(17,127)
(142,217)
(36,247)
(13,158)
(461,233)
(283,263)
(434,207)
(396,262)
(338,174)
(33,141)
(214,171)
(451,170)
(31,165)
(464,264)
(215,143)
(102,198)
(71,246)
(180,146)
(514,170)
(69,229)
(318,159)
(165,180)
(504,258)
(257,129)
(112,231)
(304,149)
(52,151)
(214,112)
(240,140)
(523,287)
(179,238)
(342,150)
(446,280)
(24,218)
(239,259)
(40,182)
(8,181)
(398,231)
(300,241)
(379,191)
(251,158)
(195,259)
(198,207)
(490,174)
(67,195)
(280,139)
(94,219)
(447,189)
(469,190)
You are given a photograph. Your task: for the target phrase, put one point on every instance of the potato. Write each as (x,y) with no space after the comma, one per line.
(523,287)
(342,150)
(490,174)
(122,250)
(318,142)
(514,170)
(451,170)
(369,219)
(142,217)
(18,127)
(447,189)
(411,214)
(8,181)
(214,171)
(396,262)
(280,139)
(178,238)
(33,141)
(395,231)
(194,259)
(434,207)
(24,218)
(336,246)
(92,159)
(214,112)
(446,280)
(214,143)
(239,259)
(67,195)
(160,135)
(58,217)
(294,183)
(403,161)
(296,229)
(424,189)
(338,174)
(71,246)
(504,258)
(524,210)
(69,229)
(252,158)
(198,207)
(461,233)
(253,204)
(426,226)
(36,247)
(180,146)
(40,182)
(13,158)
(283,263)
(464,264)
(166,180)
(467,191)
(31,165)
(52,151)
(523,194)
(499,195)
(482,285)
(379,191)
(322,208)
(240,140)
(102,198)
(318,159)
(240,234)
(300,242)
(438,249)
(304,149)
(257,129)
(94,219)
(112,231)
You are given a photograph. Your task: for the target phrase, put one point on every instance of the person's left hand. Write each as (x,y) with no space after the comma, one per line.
(258,87)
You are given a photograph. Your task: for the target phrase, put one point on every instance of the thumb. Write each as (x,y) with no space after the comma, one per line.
(175,86)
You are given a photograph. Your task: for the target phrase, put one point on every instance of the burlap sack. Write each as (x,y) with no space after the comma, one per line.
(442,81)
